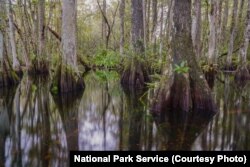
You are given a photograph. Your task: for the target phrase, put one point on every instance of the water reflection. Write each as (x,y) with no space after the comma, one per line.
(99,113)
(36,135)
(37,129)
(229,130)
(6,102)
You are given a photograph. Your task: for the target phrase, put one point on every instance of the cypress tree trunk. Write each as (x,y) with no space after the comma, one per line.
(242,71)
(11,33)
(68,78)
(135,75)
(122,37)
(232,36)
(196,28)
(41,64)
(8,76)
(184,91)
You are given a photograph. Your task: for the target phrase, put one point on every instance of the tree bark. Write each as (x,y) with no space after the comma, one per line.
(186,91)
(161,30)
(41,23)
(15,63)
(41,63)
(137,26)
(212,33)
(135,75)
(68,78)
(242,71)
(104,24)
(154,22)
(196,28)
(225,20)
(232,35)
(148,7)
(8,76)
(122,38)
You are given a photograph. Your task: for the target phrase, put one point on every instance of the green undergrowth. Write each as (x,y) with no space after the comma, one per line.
(107,58)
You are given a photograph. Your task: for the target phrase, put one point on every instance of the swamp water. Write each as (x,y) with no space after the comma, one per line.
(37,129)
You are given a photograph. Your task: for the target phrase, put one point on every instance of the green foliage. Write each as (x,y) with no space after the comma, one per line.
(34,2)
(32,56)
(106,75)
(182,68)
(107,58)
(54,90)
(55,60)
(33,88)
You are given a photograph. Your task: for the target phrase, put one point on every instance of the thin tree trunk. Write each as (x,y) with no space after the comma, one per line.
(23,35)
(242,71)
(161,30)
(122,38)
(233,34)
(154,22)
(15,63)
(104,26)
(135,75)
(41,28)
(244,48)
(144,24)
(1,49)
(241,11)
(218,26)
(8,77)
(212,33)
(225,20)
(148,5)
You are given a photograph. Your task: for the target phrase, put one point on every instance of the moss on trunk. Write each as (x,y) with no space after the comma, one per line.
(242,73)
(8,77)
(67,80)
(39,67)
(134,76)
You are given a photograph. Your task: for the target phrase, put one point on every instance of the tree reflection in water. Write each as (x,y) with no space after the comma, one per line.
(229,130)
(37,134)
(37,129)
(6,103)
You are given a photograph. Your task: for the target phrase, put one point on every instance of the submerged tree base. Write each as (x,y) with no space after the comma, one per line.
(182,93)
(210,73)
(242,74)
(134,76)
(9,78)
(67,80)
(230,67)
(39,67)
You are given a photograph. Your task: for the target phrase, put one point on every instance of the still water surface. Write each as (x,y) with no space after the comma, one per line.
(37,129)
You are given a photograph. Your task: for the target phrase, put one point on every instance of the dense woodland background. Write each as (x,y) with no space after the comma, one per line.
(122,75)
(141,39)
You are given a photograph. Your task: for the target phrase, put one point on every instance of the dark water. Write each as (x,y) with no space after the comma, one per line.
(37,129)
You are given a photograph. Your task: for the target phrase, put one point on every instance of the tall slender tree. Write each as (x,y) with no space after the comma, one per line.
(15,61)
(212,33)
(41,62)
(135,75)
(122,37)
(242,71)
(8,76)
(232,35)
(68,78)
